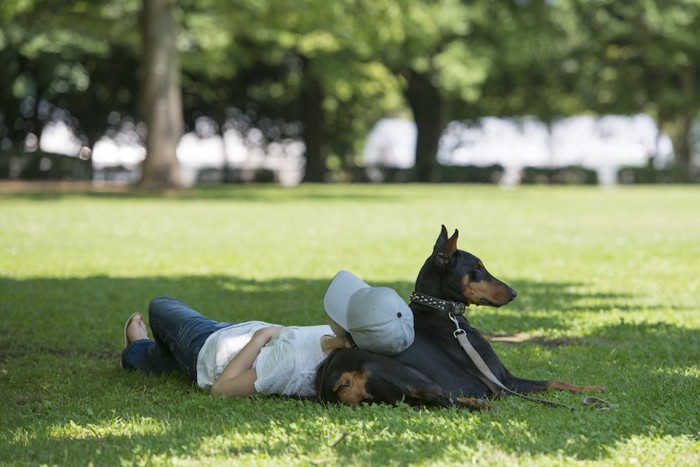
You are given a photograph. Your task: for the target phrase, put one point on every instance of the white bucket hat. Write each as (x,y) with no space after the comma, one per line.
(377,318)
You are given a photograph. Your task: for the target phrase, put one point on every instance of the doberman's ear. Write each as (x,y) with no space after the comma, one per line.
(342,382)
(442,238)
(445,254)
(351,387)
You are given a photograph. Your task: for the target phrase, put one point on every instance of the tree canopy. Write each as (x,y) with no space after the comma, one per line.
(334,68)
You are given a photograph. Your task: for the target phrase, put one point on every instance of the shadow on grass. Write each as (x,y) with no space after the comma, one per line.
(60,340)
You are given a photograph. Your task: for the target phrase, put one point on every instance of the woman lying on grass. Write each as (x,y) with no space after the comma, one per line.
(242,359)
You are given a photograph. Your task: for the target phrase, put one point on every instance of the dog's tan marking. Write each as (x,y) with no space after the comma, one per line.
(351,387)
(474,403)
(561,386)
(495,292)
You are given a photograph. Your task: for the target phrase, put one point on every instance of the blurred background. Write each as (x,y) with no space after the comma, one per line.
(171,94)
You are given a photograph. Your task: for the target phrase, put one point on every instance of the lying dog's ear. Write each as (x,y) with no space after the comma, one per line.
(351,387)
(446,252)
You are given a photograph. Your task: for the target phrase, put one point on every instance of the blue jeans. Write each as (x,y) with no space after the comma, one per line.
(179,332)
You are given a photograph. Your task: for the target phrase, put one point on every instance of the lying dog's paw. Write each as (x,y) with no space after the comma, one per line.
(473,403)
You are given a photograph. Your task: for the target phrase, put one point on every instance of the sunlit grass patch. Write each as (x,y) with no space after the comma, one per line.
(608,294)
(119,427)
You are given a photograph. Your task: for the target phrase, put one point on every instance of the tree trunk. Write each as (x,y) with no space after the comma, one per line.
(683,149)
(162,99)
(431,114)
(683,145)
(315,137)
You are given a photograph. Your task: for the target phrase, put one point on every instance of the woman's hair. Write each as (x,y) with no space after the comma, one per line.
(323,371)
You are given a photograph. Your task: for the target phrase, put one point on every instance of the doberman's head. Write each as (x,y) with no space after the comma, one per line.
(455,275)
(352,376)
(342,379)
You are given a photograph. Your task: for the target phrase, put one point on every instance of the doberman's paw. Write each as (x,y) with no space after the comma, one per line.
(473,403)
(598,389)
(575,388)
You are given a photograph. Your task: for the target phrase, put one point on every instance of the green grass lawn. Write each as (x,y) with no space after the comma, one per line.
(608,288)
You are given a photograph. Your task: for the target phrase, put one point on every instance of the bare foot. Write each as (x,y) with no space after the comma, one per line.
(135,329)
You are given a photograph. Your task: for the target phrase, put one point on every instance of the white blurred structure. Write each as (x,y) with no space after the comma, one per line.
(391,144)
(118,158)
(57,137)
(601,144)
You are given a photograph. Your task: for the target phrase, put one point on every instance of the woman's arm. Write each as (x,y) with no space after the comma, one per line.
(238,378)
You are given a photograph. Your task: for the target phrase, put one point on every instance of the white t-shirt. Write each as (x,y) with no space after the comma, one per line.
(286,365)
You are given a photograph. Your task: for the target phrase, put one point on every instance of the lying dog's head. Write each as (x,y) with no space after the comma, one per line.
(453,274)
(353,376)
(342,379)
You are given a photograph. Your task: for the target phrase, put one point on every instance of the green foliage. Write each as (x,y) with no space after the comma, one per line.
(470,59)
(607,294)
(647,59)
(79,57)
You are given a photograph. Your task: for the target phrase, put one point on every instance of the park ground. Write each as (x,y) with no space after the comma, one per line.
(608,293)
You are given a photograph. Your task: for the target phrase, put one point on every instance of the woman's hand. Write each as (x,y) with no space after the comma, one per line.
(331,343)
(238,378)
(264,335)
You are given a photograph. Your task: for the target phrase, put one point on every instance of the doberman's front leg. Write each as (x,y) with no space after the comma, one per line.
(527,386)
(473,403)
(561,386)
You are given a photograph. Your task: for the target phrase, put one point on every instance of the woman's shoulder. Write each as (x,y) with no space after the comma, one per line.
(246,326)
(237,330)
(304,332)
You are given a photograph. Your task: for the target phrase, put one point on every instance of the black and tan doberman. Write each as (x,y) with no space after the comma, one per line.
(435,370)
